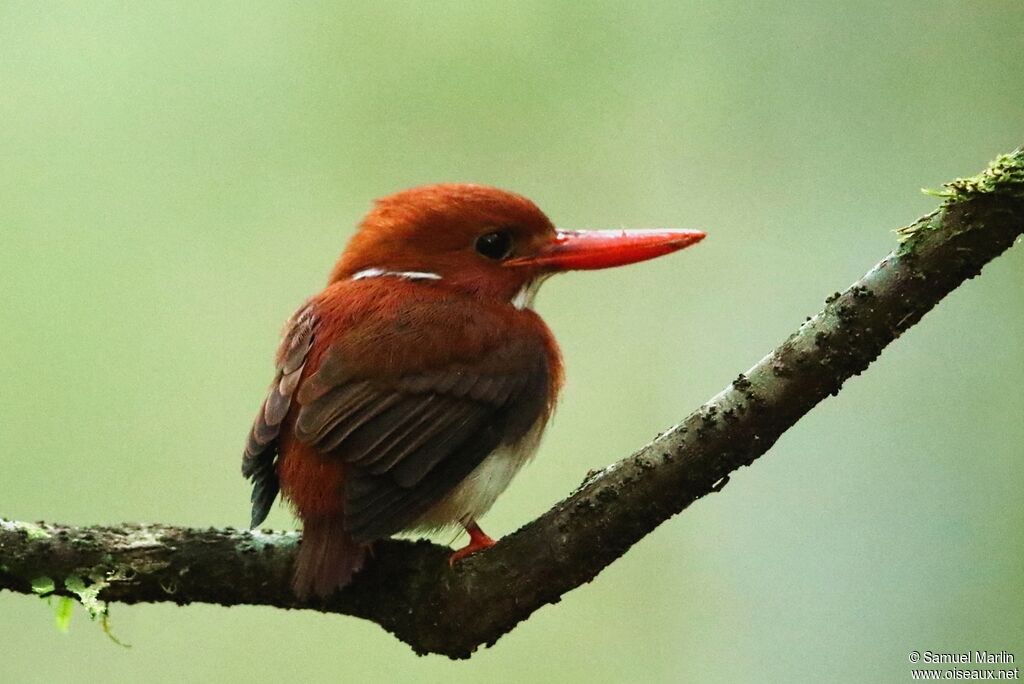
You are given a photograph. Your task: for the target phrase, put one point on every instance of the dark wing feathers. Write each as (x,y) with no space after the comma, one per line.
(410,419)
(455,430)
(333,408)
(378,506)
(408,441)
(258,460)
(419,436)
(348,423)
(264,490)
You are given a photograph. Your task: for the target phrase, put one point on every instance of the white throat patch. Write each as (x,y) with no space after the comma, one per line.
(407,275)
(527,293)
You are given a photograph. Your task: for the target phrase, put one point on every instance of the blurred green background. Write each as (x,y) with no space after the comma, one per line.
(175,178)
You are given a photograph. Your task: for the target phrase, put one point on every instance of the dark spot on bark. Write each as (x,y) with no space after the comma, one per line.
(861,292)
(846,314)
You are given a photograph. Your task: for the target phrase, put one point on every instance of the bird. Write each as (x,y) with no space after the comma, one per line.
(411,389)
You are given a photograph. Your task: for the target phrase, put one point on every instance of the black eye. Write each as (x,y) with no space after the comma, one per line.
(496,245)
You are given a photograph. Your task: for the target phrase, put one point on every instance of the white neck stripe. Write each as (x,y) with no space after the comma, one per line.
(407,275)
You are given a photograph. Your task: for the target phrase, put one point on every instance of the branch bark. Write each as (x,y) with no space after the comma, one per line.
(408,587)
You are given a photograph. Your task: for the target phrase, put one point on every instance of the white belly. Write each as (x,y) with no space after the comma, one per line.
(475,495)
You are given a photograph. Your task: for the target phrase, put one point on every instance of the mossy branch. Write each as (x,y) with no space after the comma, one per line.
(409,589)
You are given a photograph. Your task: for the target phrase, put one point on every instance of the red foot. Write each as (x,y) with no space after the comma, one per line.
(478,540)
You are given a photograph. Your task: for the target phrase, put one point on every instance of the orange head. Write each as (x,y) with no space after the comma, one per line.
(486,241)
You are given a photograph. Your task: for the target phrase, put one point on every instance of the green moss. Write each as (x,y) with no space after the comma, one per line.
(43,586)
(930,222)
(62,612)
(33,532)
(1004,175)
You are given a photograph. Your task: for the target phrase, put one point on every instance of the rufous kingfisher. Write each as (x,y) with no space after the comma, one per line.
(411,390)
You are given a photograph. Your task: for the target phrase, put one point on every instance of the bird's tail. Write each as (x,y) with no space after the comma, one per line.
(328,558)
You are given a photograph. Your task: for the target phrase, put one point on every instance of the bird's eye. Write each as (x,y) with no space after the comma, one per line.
(496,245)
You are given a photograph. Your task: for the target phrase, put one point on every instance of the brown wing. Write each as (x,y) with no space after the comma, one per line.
(408,441)
(260,456)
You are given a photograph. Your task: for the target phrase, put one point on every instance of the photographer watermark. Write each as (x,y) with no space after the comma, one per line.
(978,665)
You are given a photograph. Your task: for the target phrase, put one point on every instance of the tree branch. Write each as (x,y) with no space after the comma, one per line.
(408,587)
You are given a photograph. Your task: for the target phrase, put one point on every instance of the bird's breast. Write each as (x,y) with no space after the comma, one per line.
(475,494)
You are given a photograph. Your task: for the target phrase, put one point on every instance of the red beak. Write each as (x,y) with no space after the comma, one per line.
(590,249)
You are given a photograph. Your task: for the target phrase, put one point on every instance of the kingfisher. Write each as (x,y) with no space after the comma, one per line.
(411,390)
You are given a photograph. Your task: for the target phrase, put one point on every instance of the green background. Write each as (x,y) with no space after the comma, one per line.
(175,178)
